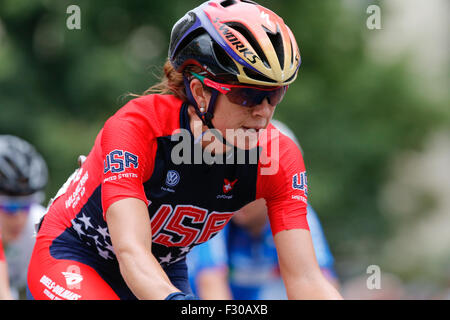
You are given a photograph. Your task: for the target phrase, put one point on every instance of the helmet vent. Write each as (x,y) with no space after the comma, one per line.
(257,76)
(251,39)
(227,3)
(223,58)
(277,43)
(291,77)
(292,53)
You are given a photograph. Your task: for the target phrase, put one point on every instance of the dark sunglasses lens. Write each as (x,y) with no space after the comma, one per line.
(276,96)
(245,97)
(249,97)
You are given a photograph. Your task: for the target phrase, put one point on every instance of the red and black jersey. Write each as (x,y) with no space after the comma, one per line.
(188,203)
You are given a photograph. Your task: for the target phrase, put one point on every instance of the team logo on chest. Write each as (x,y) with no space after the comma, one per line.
(228,185)
(172,178)
(226,188)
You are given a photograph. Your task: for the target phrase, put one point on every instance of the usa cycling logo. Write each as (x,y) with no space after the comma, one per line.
(299,182)
(172,178)
(118,160)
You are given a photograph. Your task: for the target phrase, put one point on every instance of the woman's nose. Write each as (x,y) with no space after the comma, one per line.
(264,109)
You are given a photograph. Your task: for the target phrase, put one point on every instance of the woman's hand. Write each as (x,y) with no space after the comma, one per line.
(131,236)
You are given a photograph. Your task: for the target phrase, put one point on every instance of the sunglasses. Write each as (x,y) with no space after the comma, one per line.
(13,205)
(245,96)
(12,208)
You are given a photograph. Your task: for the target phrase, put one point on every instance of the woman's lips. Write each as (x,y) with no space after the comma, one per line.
(256,129)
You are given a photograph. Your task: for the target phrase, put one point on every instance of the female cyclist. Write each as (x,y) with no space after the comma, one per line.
(122,225)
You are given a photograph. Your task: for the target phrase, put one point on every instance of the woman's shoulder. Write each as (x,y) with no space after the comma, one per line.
(154,112)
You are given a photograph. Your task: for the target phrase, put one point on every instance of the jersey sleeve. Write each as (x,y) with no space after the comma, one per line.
(127,152)
(282,183)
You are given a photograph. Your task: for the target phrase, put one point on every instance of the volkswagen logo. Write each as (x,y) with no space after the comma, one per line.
(172,178)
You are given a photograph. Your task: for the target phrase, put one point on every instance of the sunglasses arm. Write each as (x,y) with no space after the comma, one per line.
(215,85)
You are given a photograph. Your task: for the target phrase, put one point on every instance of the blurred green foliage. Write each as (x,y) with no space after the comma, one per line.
(350,113)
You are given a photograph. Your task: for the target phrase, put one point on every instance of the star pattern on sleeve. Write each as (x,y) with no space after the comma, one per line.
(78,228)
(95,234)
(86,221)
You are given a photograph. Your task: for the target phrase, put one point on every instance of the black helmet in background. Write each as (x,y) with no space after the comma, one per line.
(23,170)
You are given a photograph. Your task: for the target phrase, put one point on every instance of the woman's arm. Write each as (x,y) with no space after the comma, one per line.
(130,230)
(5,292)
(299,268)
(212,284)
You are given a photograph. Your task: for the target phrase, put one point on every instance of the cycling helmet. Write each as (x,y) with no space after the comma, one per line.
(237,41)
(23,171)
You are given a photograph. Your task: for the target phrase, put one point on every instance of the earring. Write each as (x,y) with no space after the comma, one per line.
(202,107)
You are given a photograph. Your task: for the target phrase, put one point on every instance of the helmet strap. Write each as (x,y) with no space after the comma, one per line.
(207,116)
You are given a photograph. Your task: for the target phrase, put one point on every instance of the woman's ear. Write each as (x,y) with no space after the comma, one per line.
(200,95)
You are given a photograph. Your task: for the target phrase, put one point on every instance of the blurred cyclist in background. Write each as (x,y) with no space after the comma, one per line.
(23,176)
(241,262)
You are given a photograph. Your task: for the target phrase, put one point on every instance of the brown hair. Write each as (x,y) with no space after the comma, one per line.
(171,82)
